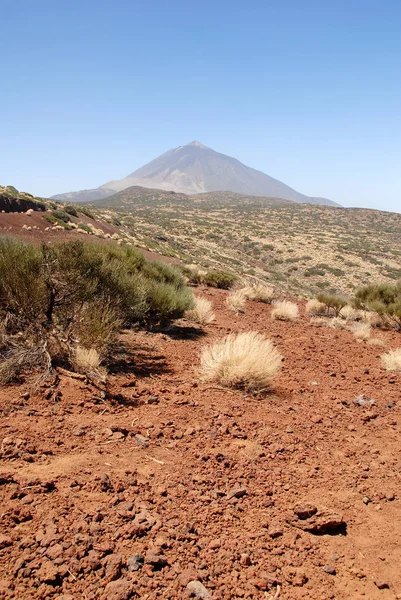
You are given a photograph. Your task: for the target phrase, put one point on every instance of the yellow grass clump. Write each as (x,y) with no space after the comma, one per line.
(86,360)
(361,331)
(351,314)
(236,300)
(202,312)
(244,360)
(391,360)
(314,308)
(285,311)
(259,292)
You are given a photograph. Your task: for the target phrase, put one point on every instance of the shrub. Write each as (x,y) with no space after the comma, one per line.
(391,360)
(285,311)
(384,299)
(361,331)
(259,293)
(61,215)
(86,212)
(219,279)
(87,361)
(81,294)
(333,302)
(245,360)
(351,314)
(71,210)
(235,301)
(315,308)
(202,312)
(84,227)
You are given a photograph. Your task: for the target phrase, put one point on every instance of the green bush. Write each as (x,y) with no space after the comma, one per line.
(71,210)
(384,299)
(86,212)
(219,279)
(81,293)
(61,215)
(333,302)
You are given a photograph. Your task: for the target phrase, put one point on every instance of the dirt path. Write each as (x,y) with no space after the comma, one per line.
(180,481)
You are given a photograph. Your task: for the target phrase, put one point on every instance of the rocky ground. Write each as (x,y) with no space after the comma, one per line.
(173,488)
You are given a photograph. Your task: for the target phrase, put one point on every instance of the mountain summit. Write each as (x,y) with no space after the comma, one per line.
(195,169)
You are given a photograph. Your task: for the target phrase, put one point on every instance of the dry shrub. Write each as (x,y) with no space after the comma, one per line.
(391,360)
(315,308)
(235,301)
(373,319)
(361,331)
(86,361)
(202,312)
(376,342)
(337,323)
(319,322)
(285,311)
(259,292)
(244,360)
(351,314)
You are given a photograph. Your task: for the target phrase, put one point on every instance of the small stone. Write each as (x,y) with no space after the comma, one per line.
(367,500)
(305,511)
(236,493)
(329,569)
(390,496)
(214,544)
(5,541)
(158,561)
(135,562)
(275,530)
(78,431)
(245,560)
(153,400)
(186,576)
(363,401)
(197,590)
(141,440)
(289,430)
(118,590)
(381,584)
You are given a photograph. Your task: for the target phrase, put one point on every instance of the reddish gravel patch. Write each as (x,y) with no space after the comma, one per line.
(179,489)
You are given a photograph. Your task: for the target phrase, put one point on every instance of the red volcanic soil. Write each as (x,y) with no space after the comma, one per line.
(291,495)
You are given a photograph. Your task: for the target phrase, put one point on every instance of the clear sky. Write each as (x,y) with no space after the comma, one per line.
(308,91)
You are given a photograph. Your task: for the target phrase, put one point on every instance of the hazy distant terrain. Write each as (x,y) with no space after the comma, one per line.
(196,169)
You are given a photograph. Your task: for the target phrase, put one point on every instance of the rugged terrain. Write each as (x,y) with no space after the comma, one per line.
(168,480)
(194,169)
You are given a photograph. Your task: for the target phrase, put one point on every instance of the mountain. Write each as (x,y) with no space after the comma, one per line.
(196,169)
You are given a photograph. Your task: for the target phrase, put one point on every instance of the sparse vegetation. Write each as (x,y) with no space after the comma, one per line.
(235,300)
(333,302)
(80,294)
(284,311)
(245,360)
(315,308)
(383,299)
(391,360)
(202,312)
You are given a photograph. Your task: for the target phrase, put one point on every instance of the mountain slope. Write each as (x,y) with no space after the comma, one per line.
(196,169)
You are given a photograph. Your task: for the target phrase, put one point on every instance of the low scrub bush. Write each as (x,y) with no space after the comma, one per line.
(81,294)
(351,314)
(202,312)
(245,360)
(361,331)
(383,299)
(334,302)
(391,360)
(219,279)
(71,210)
(259,292)
(314,308)
(285,311)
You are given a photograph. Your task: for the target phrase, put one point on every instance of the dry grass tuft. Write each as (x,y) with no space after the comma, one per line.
(361,331)
(285,311)
(373,319)
(376,342)
(351,314)
(259,292)
(337,323)
(202,312)
(314,308)
(391,360)
(244,360)
(236,300)
(86,360)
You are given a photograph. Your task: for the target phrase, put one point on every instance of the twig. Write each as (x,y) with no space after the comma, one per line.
(277,594)
(160,462)
(221,389)
(72,574)
(70,373)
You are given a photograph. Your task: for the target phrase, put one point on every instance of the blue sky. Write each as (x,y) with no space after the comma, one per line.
(307,91)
